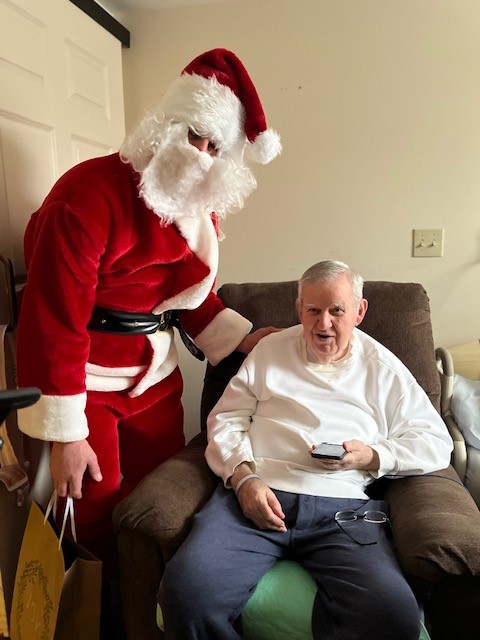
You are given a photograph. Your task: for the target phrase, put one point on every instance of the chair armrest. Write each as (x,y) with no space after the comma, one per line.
(446,370)
(436,527)
(163,504)
(459,453)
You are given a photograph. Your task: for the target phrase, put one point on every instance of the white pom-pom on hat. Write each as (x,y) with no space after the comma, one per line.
(265,147)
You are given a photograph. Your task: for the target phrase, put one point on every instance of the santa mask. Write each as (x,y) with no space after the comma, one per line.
(215,98)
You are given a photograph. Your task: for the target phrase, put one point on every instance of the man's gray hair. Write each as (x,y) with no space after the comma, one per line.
(329,270)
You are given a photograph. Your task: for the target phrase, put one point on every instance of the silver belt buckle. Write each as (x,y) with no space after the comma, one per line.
(163,320)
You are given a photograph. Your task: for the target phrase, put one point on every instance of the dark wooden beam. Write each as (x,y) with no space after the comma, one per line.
(104,19)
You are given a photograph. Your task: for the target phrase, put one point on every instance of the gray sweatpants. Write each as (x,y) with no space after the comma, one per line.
(362,593)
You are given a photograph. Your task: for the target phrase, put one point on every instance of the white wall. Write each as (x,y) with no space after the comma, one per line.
(378,105)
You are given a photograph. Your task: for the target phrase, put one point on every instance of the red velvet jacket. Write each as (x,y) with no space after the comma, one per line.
(94,242)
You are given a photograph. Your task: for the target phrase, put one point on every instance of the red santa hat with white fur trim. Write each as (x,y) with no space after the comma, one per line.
(217,99)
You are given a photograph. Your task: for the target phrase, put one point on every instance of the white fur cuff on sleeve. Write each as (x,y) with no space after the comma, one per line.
(223,335)
(55,418)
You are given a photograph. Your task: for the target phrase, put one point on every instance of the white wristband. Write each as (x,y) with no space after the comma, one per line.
(249,476)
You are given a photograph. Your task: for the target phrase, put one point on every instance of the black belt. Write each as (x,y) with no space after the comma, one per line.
(132,324)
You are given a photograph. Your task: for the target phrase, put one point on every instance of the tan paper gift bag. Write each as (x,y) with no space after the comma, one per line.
(54,599)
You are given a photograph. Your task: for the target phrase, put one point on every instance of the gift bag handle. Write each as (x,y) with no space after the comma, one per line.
(69,511)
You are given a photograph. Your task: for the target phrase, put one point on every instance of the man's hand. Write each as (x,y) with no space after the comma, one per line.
(258,502)
(68,463)
(251,339)
(261,506)
(359,456)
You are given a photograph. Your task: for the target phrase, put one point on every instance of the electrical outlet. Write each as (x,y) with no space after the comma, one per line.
(427,243)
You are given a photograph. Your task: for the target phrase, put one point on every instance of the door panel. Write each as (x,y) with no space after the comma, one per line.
(61,102)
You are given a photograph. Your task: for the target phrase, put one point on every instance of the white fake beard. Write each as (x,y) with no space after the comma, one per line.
(181,181)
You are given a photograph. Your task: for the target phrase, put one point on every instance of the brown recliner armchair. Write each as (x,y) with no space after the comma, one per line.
(435,521)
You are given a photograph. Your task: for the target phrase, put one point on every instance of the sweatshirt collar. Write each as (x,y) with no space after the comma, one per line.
(331,367)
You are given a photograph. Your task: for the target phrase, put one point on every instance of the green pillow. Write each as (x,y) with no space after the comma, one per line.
(281,606)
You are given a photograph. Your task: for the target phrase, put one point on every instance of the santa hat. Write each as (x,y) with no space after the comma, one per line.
(216,98)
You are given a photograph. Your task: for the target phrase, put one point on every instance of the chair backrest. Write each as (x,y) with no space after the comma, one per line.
(398,316)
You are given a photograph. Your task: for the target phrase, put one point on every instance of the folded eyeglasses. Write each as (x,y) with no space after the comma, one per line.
(378,517)
(375,517)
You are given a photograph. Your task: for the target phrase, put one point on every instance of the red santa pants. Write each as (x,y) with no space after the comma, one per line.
(130,436)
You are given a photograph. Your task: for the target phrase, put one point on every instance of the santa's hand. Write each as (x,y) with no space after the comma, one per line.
(68,463)
(251,339)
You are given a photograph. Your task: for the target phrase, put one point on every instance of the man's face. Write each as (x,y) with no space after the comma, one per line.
(329,315)
(203,144)
(185,178)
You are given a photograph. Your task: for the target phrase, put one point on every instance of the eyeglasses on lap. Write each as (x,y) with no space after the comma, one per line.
(373,517)
(377,517)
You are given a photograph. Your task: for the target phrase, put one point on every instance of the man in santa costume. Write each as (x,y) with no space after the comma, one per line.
(122,249)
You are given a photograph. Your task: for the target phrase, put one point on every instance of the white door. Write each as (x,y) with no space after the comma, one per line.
(61,102)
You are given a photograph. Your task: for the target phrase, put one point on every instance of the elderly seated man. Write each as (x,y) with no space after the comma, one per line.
(321,381)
